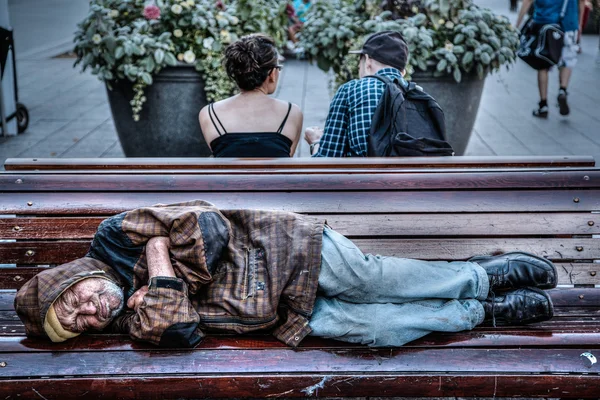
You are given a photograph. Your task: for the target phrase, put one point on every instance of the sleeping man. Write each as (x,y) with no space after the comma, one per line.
(169,274)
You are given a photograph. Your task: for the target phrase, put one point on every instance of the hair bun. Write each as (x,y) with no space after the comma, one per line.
(250,59)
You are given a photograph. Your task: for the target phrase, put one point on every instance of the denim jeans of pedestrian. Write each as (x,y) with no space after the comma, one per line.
(390,301)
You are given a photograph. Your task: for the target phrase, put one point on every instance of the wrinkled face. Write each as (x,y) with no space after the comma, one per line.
(90,304)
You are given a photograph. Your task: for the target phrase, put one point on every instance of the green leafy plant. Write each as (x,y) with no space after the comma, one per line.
(453,37)
(135,39)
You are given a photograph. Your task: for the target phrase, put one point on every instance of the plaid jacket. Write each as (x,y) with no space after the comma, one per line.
(350,113)
(237,271)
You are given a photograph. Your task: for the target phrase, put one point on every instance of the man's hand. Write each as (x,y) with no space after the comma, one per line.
(313,134)
(135,301)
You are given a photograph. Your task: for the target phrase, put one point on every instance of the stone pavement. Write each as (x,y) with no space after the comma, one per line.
(70,116)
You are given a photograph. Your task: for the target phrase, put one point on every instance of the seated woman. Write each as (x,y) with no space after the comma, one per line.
(252,124)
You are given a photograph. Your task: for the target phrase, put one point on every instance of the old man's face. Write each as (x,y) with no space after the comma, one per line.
(90,304)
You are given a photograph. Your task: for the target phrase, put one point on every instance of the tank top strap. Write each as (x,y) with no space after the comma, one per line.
(211,112)
(285,119)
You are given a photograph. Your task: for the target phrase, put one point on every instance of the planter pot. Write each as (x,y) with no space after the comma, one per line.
(168,125)
(459,101)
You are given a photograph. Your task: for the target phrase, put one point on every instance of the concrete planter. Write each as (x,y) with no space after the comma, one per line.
(168,125)
(460,102)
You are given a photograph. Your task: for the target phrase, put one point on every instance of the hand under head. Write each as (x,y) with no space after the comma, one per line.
(90,304)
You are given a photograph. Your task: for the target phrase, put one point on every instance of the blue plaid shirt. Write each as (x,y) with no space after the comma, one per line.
(350,114)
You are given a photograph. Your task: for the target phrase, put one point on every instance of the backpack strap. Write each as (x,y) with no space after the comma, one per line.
(402,92)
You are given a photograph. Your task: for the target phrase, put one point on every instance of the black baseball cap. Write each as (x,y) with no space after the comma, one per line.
(387,47)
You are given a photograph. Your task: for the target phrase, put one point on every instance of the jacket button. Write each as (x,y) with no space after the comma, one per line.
(297,338)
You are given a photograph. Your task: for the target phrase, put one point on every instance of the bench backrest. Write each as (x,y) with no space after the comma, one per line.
(332,165)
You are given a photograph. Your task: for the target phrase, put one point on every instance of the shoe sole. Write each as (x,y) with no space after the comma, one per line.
(541,115)
(562,105)
(543,260)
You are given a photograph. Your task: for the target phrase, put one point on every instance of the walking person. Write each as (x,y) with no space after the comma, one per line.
(549,12)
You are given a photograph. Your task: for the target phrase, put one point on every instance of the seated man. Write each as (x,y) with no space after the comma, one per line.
(186,269)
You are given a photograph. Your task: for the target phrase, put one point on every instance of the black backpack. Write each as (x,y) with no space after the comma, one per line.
(407,123)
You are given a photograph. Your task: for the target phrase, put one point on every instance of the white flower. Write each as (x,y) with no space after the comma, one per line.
(191,3)
(234,20)
(178,33)
(449,46)
(114,13)
(96,39)
(449,24)
(189,57)
(208,42)
(180,56)
(176,9)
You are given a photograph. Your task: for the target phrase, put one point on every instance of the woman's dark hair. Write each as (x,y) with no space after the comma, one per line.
(250,60)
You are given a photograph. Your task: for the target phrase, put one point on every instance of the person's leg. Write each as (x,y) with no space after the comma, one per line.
(542,110)
(350,275)
(568,61)
(392,324)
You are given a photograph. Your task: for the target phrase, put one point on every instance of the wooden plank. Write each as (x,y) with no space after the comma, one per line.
(306,385)
(568,274)
(12,164)
(479,337)
(99,203)
(463,180)
(42,252)
(489,225)
(286,361)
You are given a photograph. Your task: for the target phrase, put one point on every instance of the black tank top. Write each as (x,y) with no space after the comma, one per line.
(250,144)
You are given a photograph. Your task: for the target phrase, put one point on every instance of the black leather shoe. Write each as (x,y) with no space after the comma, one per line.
(518,307)
(516,270)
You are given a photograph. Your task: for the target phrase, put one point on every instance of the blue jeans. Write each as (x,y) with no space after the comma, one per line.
(390,301)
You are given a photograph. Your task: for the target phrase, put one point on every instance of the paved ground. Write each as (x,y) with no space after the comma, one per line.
(70,116)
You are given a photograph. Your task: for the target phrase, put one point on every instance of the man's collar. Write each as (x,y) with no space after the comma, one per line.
(389,71)
(392,73)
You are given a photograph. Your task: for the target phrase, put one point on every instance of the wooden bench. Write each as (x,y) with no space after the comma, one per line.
(49,217)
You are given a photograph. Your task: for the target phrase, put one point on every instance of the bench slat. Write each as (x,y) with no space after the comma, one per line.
(41,252)
(82,203)
(12,164)
(505,224)
(479,337)
(568,274)
(286,361)
(315,183)
(300,385)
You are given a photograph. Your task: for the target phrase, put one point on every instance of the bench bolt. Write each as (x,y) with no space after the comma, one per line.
(576,199)
(29,203)
(586,178)
(19,181)
(581,296)
(29,253)
(593,273)
(17,228)
(18,278)
(591,223)
(3,364)
(579,248)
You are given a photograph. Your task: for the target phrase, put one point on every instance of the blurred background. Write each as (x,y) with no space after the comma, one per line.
(68,113)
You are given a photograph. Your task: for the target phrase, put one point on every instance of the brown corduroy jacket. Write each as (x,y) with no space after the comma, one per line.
(238,271)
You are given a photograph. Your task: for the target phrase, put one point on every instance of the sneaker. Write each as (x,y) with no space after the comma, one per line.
(562,103)
(541,112)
